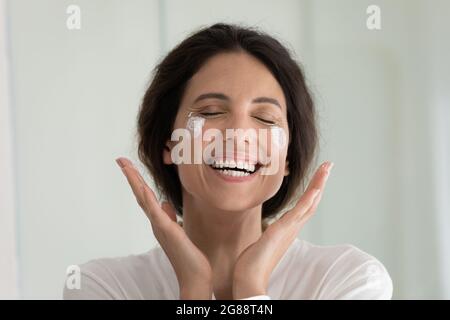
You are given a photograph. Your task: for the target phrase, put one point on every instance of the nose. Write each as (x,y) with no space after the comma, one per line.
(240,126)
(240,137)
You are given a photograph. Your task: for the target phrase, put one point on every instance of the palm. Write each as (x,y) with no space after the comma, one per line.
(260,258)
(181,250)
(256,263)
(190,265)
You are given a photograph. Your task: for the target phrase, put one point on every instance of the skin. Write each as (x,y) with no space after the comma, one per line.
(221,247)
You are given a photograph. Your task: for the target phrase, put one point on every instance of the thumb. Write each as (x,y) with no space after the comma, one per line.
(169,209)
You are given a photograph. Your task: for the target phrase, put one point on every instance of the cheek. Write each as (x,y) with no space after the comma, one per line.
(272,183)
(189,177)
(274,174)
(278,137)
(275,156)
(194,179)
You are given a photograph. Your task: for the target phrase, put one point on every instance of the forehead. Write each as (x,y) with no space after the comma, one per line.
(238,75)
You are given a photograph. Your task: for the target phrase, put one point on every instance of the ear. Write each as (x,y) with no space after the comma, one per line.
(286,169)
(167,159)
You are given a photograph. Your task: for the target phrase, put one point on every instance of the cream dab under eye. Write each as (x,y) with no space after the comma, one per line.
(278,136)
(195,124)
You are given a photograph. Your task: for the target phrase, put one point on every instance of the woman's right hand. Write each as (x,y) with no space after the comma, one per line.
(191,266)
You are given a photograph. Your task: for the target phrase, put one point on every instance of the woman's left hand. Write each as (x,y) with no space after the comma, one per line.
(256,263)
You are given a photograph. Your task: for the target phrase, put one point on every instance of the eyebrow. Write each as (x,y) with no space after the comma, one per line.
(221,96)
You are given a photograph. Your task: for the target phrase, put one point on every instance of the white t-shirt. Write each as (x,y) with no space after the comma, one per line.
(306,271)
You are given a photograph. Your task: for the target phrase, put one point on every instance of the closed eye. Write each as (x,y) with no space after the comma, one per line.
(217,113)
(265,121)
(210,113)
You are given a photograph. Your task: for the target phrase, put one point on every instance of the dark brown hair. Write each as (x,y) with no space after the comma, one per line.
(162,100)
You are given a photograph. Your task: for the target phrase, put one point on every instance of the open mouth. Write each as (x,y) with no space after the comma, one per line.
(235,168)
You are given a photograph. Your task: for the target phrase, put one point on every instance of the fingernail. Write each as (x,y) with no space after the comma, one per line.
(330,166)
(120,162)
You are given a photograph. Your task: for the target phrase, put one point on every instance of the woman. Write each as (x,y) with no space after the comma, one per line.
(228,77)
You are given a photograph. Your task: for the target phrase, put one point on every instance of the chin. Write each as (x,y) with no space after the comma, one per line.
(233,203)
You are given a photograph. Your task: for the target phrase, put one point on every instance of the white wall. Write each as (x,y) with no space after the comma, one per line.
(374,89)
(382,97)
(439,105)
(76,95)
(8,250)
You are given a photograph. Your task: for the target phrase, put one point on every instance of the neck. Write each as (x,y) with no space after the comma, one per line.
(221,235)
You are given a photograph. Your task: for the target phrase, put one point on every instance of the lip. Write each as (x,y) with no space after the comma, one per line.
(231,178)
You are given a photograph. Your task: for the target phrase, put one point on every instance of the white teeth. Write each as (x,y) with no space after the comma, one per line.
(230,164)
(234,173)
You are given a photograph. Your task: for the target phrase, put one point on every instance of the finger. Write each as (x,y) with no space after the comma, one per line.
(288,226)
(135,184)
(149,204)
(154,211)
(124,162)
(311,194)
(159,219)
(321,183)
(293,220)
(302,206)
(169,209)
(321,176)
(317,183)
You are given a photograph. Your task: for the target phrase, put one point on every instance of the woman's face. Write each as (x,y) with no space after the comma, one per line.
(241,79)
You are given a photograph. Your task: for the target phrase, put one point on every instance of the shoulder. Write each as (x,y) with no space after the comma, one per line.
(136,276)
(340,272)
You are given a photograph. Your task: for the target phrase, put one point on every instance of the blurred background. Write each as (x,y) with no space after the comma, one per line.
(69,98)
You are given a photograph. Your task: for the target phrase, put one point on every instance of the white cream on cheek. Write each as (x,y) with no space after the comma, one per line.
(195,124)
(278,136)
